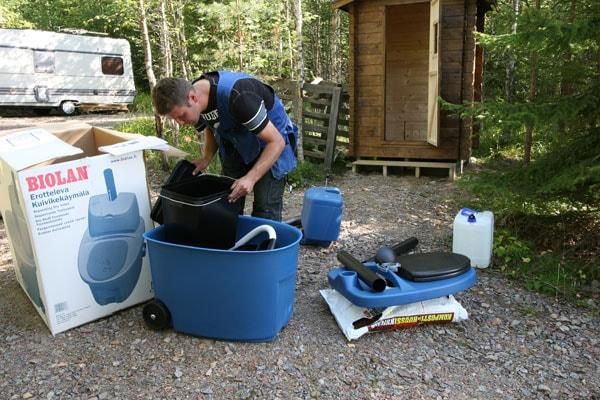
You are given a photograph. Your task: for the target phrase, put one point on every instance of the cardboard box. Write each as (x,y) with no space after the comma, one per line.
(75,204)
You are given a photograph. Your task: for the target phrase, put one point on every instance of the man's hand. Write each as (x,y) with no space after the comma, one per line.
(241,187)
(201,164)
(274,145)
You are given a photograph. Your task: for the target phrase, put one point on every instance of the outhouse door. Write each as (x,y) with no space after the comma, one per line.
(412,71)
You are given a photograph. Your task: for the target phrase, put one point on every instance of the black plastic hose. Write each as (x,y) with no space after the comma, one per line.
(369,277)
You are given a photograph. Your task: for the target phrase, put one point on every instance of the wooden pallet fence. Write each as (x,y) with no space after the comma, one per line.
(322,116)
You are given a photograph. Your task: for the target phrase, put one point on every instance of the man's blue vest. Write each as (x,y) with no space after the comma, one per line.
(245,142)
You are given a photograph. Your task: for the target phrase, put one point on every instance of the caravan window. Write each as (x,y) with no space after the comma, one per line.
(112,66)
(43,61)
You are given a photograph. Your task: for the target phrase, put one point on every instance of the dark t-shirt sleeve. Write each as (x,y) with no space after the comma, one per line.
(249,104)
(201,125)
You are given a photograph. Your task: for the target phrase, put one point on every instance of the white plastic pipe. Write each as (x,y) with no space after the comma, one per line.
(255,232)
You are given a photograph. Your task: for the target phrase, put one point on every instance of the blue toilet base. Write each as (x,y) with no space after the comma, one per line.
(403,291)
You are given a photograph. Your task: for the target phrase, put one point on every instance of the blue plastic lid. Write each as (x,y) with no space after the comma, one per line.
(470,214)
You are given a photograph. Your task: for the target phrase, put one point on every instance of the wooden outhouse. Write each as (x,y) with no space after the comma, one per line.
(403,54)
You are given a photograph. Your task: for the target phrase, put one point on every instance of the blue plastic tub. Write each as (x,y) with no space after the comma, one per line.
(222,294)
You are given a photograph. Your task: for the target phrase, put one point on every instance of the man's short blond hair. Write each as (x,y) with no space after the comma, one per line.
(170,92)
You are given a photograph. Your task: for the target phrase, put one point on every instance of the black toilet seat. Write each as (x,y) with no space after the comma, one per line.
(424,267)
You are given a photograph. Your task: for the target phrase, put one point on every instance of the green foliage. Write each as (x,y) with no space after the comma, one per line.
(243,35)
(142,103)
(10,17)
(509,250)
(544,271)
(317,41)
(564,98)
(565,177)
(546,215)
(306,174)
(255,36)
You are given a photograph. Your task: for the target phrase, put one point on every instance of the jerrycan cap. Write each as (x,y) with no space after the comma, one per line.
(470,214)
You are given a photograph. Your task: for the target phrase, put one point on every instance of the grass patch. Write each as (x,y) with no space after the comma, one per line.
(142,103)
(306,174)
(547,216)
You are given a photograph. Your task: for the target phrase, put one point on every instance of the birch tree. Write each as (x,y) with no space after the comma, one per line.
(167,57)
(158,122)
(165,42)
(146,42)
(300,73)
(334,66)
(176,8)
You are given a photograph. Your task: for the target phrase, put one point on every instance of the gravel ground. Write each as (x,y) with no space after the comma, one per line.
(515,345)
(24,119)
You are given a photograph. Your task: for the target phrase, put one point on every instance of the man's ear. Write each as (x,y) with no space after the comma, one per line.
(192,97)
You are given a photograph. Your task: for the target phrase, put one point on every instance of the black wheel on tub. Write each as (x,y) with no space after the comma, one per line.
(157,315)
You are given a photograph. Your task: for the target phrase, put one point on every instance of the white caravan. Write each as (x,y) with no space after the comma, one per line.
(42,70)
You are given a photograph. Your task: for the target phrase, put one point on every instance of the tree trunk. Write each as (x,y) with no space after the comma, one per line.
(509,84)
(147,48)
(165,42)
(288,24)
(334,67)
(300,64)
(165,39)
(179,27)
(532,94)
(158,122)
(317,52)
(299,40)
(239,35)
(566,85)
(281,59)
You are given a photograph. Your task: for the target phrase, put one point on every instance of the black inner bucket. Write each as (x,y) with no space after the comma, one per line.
(196,212)
(182,171)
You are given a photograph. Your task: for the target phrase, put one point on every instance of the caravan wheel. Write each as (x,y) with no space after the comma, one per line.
(68,107)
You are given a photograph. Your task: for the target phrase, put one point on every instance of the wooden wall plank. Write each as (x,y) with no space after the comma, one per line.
(374,15)
(369,70)
(364,60)
(370,49)
(369,38)
(352,45)
(369,27)
(406,151)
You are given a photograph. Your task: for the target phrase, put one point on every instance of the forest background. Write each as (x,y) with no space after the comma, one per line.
(538,160)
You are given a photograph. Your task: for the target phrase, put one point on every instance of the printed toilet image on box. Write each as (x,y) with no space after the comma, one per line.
(75,204)
(111,251)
